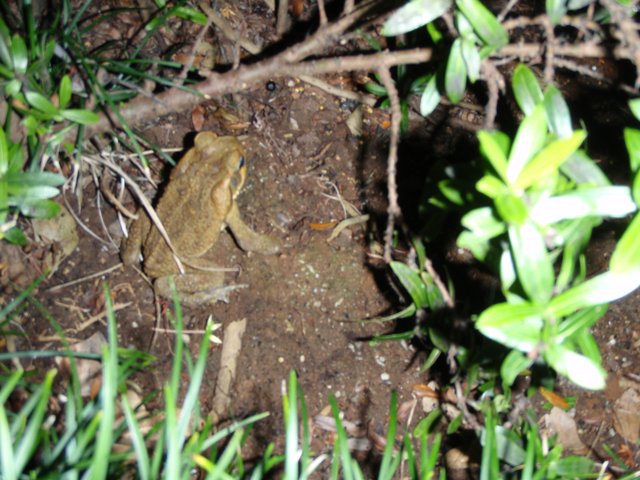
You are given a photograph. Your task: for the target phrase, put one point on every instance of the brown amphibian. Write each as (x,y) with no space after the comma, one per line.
(197,204)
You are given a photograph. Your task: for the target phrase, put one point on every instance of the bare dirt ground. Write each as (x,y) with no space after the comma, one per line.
(303,306)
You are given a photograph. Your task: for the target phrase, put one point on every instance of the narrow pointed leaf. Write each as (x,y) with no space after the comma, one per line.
(19,55)
(626,256)
(533,264)
(550,159)
(492,147)
(40,102)
(613,202)
(412,283)
(558,113)
(64,95)
(632,141)
(430,97)
(83,117)
(526,89)
(485,24)
(472,60)
(414,14)
(634,106)
(530,138)
(516,326)
(455,79)
(603,288)
(579,369)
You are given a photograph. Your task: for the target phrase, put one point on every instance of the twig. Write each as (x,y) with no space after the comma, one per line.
(323,13)
(173,100)
(55,288)
(393,209)
(550,49)
(95,318)
(281,22)
(495,83)
(338,92)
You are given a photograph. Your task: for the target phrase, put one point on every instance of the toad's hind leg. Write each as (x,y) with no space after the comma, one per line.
(196,288)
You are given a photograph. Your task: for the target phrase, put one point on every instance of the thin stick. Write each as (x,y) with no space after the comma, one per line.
(393,209)
(60,286)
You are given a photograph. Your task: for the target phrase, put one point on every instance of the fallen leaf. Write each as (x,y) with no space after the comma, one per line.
(626,415)
(626,455)
(558,422)
(89,371)
(197,118)
(553,398)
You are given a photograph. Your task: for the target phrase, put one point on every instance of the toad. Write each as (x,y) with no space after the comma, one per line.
(198,202)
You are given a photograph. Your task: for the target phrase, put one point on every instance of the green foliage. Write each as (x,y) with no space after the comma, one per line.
(23,192)
(39,96)
(543,196)
(480,33)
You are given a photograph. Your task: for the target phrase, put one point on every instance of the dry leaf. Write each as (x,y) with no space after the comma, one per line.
(553,398)
(89,371)
(626,415)
(558,422)
(197,118)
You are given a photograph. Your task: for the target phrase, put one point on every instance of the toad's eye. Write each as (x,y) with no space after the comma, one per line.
(241,164)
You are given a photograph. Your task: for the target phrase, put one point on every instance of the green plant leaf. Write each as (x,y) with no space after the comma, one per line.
(632,141)
(511,208)
(16,236)
(481,221)
(19,55)
(414,14)
(530,138)
(412,283)
(21,195)
(513,365)
(634,106)
(64,95)
(508,447)
(40,208)
(635,188)
(485,24)
(491,186)
(549,159)
(603,288)
(191,15)
(626,256)
(492,146)
(526,89)
(476,244)
(35,179)
(40,102)
(558,114)
(472,60)
(575,466)
(455,77)
(430,97)
(532,261)
(582,320)
(599,201)
(516,326)
(579,369)
(582,169)
(375,89)
(555,10)
(81,116)
(4,154)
